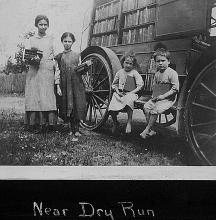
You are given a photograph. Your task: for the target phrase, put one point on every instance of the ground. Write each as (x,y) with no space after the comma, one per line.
(101,148)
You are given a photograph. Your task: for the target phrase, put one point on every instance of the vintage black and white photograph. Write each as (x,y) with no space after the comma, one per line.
(116,96)
(107,83)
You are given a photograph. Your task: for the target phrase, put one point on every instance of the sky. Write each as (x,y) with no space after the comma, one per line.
(17,17)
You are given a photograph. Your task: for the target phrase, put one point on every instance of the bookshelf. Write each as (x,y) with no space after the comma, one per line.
(105,24)
(125,22)
(138,21)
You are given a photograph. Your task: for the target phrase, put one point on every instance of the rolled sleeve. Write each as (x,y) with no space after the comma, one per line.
(57,73)
(115,83)
(174,81)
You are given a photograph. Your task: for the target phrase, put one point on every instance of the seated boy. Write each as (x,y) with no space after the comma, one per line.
(165,89)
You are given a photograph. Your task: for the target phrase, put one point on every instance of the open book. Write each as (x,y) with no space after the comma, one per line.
(130,84)
(160,89)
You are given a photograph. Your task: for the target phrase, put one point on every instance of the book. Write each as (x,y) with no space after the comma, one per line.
(160,89)
(31,53)
(130,84)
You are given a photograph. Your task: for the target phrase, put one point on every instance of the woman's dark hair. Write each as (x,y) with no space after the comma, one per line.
(130,55)
(68,34)
(41,17)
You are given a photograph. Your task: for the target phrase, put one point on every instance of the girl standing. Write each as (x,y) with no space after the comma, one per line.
(71,101)
(122,99)
(40,101)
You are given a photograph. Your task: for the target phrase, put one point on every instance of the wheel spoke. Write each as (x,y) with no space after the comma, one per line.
(100,99)
(87,107)
(159,118)
(203,124)
(102,91)
(91,71)
(90,111)
(99,108)
(95,82)
(209,140)
(95,113)
(101,82)
(166,118)
(204,106)
(84,78)
(208,89)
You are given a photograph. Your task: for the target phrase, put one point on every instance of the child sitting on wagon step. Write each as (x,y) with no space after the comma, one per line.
(122,99)
(165,89)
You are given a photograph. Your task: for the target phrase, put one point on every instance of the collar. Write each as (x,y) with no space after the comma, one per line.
(67,51)
(38,36)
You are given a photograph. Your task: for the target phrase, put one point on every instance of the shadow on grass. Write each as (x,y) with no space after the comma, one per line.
(166,145)
(19,147)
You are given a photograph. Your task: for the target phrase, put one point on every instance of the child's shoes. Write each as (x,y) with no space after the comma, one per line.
(128,129)
(152,133)
(77,134)
(74,138)
(144,134)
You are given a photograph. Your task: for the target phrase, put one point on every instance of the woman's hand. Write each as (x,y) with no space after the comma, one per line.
(35,60)
(59,92)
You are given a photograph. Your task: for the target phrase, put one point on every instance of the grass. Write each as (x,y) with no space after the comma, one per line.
(18,147)
(14,83)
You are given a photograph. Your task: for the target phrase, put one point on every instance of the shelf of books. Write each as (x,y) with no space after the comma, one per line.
(124,22)
(104,32)
(139,21)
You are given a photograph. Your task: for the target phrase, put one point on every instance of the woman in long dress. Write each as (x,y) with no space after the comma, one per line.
(40,101)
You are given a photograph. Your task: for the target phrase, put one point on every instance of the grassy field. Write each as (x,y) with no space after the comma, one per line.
(18,147)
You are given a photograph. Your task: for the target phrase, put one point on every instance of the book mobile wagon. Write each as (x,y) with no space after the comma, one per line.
(184,27)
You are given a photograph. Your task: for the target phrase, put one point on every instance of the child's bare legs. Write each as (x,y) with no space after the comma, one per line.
(151,122)
(147,115)
(74,127)
(130,114)
(115,121)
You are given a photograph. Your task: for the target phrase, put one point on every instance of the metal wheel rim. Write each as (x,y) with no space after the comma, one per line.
(99,110)
(193,128)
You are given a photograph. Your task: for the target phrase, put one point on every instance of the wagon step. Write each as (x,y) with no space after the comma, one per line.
(143,99)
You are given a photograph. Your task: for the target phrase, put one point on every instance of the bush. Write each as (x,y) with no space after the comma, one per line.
(13,83)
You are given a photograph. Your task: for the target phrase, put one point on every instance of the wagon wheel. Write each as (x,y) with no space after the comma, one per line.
(201,115)
(97,81)
(167,118)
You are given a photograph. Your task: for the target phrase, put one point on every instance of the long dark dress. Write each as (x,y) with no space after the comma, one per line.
(72,103)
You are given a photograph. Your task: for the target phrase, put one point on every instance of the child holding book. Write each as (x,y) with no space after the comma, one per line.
(124,99)
(165,89)
(71,101)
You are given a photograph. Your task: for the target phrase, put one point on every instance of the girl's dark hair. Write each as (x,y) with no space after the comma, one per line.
(68,34)
(130,55)
(41,17)
(162,52)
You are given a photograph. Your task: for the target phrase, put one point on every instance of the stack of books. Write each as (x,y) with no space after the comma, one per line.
(107,10)
(31,56)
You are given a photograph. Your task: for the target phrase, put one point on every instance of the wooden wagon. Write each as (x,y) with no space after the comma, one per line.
(185,28)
